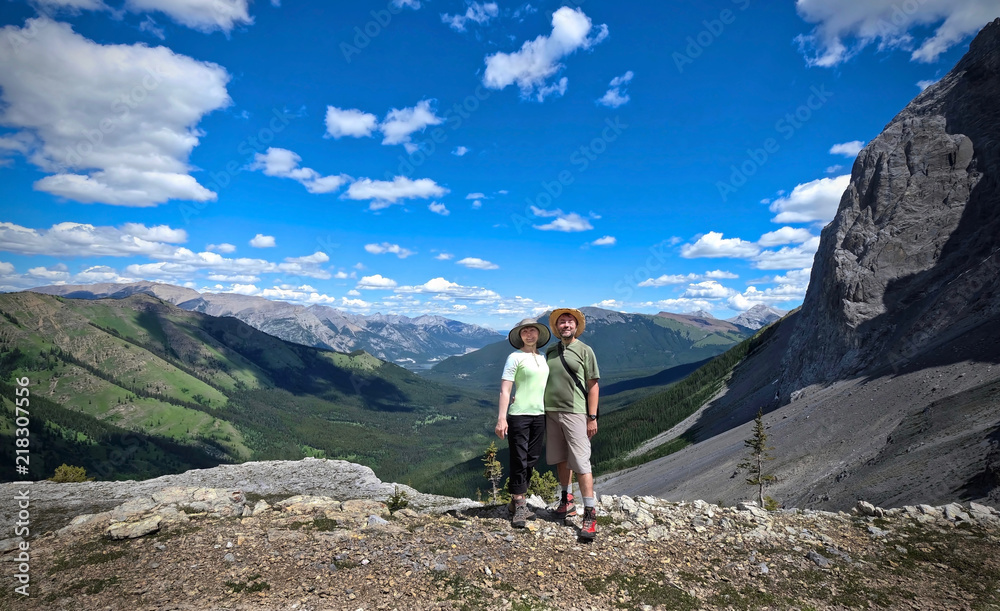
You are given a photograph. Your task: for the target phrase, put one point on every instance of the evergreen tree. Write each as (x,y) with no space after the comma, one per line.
(753,464)
(492,470)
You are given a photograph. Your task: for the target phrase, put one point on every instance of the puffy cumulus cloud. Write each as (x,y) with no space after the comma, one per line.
(708,289)
(785,235)
(847,149)
(713,245)
(6,268)
(233,278)
(184,263)
(608,240)
(71,6)
(440,286)
(668,279)
(476,263)
(926,83)
(719,274)
(563,222)
(80,239)
(783,293)
(682,304)
(616,96)
(376,282)
(262,241)
(400,124)
(788,257)
(111,124)
(437,208)
(55,273)
(460,151)
(538,60)
(384,192)
(349,122)
(284,163)
(889,23)
(444,256)
(386,247)
(201,15)
(414,4)
(610,304)
(478,12)
(812,201)
(224,247)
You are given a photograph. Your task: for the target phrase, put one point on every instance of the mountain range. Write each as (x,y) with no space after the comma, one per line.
(885,384)
(414,343)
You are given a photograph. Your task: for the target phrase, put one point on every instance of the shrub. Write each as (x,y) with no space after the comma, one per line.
(69,474)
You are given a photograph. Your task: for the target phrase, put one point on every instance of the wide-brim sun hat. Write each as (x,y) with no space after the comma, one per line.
(581,322)
(514,337)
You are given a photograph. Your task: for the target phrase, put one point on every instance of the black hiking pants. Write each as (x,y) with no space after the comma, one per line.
(524,437)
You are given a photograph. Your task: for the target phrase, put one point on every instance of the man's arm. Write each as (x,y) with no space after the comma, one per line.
(593,392)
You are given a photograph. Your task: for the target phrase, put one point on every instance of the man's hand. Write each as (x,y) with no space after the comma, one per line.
(591,428)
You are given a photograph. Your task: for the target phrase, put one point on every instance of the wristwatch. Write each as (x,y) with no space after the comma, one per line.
(591,416)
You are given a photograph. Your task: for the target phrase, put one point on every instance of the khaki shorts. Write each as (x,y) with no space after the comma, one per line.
(566,440)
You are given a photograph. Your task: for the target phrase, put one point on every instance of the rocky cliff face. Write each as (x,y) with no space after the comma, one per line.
(911,259)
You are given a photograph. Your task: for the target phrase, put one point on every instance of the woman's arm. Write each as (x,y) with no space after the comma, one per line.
(505,388)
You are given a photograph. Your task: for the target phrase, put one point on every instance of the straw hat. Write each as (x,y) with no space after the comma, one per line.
(514,337)
(581,323)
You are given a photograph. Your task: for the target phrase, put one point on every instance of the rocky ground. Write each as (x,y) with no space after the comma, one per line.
(214,548)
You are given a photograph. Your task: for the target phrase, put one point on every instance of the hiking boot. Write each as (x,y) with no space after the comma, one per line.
(588,528)
(566,508)
(521,515)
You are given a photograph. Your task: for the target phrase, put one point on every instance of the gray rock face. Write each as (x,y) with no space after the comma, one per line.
(220,490)
(911,258)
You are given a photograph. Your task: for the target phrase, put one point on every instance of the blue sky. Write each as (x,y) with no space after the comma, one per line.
(484,161)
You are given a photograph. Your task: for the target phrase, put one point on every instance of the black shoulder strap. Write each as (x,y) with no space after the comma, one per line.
(572,374)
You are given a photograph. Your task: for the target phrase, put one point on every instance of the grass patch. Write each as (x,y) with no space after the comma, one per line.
(252,584)
(631,591)
(87,554)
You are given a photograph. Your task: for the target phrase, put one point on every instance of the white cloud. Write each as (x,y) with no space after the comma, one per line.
(385,247)
(567,222)
(384,192)
(812,201)
(721,275)
(782,293)
(284,163)
(847,149)
(440,286)
(833,169)
(926,83)
(479,12)
(616,95)
(159,233)
(262,241)
(608,240)
(224,247)
(444,256)
(538,60)
(89,110)
(888,22)
(460,151)
(475,263)
(71,6)
(6,268)
(667,279)
(713,245)
(709,289)
(243,278)
(78,239)
(682,305)
(785,235)
(414,4)
(788,257)
(350,122)
(439,209)
(376,282)
(400,124)
(49,274)
(201,15)
(475,196)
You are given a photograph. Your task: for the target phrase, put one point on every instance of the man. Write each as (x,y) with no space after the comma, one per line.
(571,394)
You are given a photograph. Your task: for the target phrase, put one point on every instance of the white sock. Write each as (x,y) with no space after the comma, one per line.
(590,501)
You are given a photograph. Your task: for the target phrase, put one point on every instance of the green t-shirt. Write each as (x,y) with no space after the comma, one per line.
(528,372)
(561,392)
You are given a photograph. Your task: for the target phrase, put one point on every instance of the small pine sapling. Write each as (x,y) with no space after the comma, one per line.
(759,453)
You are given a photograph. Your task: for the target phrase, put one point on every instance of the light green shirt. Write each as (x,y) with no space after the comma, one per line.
(529,373)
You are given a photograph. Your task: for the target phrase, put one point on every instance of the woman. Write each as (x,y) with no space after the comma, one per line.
(523,421)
